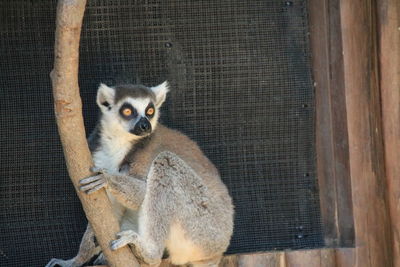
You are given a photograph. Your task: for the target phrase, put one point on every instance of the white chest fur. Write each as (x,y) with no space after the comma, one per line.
(109,156)
(110,159)
(114,146)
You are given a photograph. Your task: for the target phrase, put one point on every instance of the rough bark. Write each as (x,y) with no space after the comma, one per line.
(68,110)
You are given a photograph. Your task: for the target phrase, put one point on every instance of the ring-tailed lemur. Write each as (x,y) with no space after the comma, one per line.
(165,192)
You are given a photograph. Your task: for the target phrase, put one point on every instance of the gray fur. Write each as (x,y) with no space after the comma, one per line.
(133,91)
(87,249)
(94,138)
(165,192)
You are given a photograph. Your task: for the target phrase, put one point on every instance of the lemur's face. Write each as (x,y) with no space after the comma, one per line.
(137,115)
(131,109)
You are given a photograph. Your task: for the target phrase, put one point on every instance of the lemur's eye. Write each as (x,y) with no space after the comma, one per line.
(150,111)
(127,112)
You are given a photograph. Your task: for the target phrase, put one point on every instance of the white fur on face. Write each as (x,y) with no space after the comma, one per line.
(140,104)
(116,139)
(115,143)
(117,127)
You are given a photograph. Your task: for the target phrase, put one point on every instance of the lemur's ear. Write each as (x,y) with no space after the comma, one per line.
(160,91)
(105,97)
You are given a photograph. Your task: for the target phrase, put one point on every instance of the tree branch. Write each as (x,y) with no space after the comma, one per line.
(68,110)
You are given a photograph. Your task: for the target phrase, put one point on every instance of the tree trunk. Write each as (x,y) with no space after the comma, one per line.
(68,111)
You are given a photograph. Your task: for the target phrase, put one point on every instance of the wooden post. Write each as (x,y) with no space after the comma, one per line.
(331,123)
(68,110)
(371,217)
(389,63)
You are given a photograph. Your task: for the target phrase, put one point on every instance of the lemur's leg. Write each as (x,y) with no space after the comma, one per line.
(101,260)
(128,190)
(162,200)
(87,249)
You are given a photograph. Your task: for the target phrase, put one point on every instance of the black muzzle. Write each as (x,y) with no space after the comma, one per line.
(142,127)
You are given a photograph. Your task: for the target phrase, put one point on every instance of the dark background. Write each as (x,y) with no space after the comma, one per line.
(241,87)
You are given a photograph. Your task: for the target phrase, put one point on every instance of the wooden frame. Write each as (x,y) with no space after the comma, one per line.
(388,19)
(355,47)
(333,169)
(347,54)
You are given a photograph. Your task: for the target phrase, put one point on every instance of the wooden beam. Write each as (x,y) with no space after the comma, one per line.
(345,257)
(276,259)
(331,123)
(372,222)
(389,63)
(68,110)
(311,258)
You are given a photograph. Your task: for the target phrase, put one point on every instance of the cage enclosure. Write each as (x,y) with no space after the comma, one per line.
(241,87)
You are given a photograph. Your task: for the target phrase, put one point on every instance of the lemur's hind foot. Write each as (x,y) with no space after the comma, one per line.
(62,263)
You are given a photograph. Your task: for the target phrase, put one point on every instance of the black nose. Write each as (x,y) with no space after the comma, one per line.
(142,127)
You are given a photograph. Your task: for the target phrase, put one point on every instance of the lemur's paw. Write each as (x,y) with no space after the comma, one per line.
(132,239)
(124,238)
(98,170)
(62,263)
(94,183)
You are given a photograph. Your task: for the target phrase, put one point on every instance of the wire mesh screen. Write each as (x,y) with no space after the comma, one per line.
(241,87)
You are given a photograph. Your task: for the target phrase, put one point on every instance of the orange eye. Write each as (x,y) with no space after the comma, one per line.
(127,112)
(150,111)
